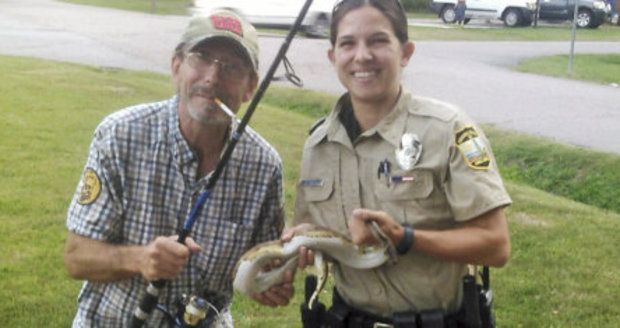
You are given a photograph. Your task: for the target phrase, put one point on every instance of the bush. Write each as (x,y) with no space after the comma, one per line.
(415,5)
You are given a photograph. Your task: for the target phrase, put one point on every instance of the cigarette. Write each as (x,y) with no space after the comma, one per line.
(224,108)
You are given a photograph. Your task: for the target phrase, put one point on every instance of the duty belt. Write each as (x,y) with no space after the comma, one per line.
(344,315)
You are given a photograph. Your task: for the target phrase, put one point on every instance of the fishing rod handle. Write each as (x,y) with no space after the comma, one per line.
(147,304)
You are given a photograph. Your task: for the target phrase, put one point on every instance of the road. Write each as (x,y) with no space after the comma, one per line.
(473,75)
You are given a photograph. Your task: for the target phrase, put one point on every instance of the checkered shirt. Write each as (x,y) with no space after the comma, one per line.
(149,183)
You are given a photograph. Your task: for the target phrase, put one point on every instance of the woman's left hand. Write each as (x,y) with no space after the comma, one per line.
(359,226)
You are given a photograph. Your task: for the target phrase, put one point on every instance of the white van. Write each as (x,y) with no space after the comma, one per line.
(512,12)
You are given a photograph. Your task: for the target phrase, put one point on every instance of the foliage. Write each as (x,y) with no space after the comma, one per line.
(415,5)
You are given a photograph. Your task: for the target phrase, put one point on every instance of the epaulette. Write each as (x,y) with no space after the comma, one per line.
(316,125)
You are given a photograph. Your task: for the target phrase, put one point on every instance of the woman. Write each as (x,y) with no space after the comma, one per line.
(419,168)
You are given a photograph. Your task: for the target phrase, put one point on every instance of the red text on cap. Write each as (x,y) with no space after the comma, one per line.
(227,23)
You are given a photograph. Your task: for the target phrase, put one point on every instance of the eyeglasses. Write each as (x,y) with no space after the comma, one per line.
(201,61)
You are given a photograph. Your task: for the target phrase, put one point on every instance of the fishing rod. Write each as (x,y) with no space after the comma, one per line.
(150,299)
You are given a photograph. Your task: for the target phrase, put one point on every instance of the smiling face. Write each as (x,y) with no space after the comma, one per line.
(201,75)
(368,56)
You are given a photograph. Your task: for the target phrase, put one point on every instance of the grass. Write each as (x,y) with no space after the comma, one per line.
(588,176)
(160,7)
(547,33)
(596,68)
(564,270)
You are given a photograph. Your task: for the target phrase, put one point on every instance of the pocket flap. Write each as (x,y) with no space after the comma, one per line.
(317,189)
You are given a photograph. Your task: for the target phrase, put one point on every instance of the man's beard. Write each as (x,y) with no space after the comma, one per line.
(206,114)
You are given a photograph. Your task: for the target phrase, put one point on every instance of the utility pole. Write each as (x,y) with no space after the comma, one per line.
(572,41)
(153,6)
(536,13)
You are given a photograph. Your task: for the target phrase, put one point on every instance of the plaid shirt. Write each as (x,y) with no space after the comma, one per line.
(149,182)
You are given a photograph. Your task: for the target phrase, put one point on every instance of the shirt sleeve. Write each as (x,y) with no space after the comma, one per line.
(95,210)
(473,184)
(272,211)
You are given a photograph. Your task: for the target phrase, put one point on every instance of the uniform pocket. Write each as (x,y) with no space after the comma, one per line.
(409,196)
(317,190)
(405,185)
(323,202)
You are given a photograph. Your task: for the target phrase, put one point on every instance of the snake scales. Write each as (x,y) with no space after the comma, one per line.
(328,245)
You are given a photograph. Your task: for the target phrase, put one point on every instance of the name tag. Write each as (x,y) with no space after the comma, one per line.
(399,179)
(312,183)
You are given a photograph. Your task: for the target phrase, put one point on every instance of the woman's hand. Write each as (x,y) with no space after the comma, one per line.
(359,227)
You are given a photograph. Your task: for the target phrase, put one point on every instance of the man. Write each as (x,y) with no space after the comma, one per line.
(146,166)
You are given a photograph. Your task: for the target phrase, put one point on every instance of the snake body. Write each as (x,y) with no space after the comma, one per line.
(251,278)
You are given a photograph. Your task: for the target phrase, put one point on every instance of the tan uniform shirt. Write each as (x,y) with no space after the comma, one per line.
(455,179)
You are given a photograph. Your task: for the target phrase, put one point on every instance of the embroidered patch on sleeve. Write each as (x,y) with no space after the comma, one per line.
(473,148)
(91,187)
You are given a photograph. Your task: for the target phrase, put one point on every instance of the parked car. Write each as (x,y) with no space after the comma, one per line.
(512,12)
(276,13)
(590,13)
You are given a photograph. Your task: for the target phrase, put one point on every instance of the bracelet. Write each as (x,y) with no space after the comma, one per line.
(405,244)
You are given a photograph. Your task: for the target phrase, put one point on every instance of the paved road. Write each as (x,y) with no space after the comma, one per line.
(473,75)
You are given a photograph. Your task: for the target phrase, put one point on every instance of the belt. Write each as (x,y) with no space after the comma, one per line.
(345,315)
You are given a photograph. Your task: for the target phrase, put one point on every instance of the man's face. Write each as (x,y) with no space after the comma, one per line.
(212,69)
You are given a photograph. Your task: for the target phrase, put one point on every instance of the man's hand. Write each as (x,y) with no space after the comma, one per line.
(281,294)
(306,256)
(278,295)
(165,258)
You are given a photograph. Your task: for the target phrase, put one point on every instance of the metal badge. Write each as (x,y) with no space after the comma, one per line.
(408,154)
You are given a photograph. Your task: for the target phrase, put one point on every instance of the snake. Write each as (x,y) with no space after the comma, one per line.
(328,246)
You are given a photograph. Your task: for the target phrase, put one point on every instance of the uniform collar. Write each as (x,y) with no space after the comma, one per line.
(336,132)
(392,126)
(331,129)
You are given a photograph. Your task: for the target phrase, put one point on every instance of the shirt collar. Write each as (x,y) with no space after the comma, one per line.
(390,128)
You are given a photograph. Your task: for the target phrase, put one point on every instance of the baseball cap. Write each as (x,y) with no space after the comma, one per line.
(227,25)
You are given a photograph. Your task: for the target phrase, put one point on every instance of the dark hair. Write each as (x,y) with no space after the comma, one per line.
(392,9)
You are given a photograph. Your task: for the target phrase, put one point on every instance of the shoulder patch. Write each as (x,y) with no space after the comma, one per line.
(316,125)
(91,187)
(473,148)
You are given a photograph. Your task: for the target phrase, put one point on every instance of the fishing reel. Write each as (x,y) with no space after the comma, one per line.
(194,311)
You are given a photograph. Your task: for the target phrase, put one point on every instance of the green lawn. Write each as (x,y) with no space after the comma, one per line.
(160,7)
(547,33)
(596,68)
(564,269)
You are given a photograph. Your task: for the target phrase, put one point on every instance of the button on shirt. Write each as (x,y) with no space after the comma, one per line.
(149,183)
(440,191)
